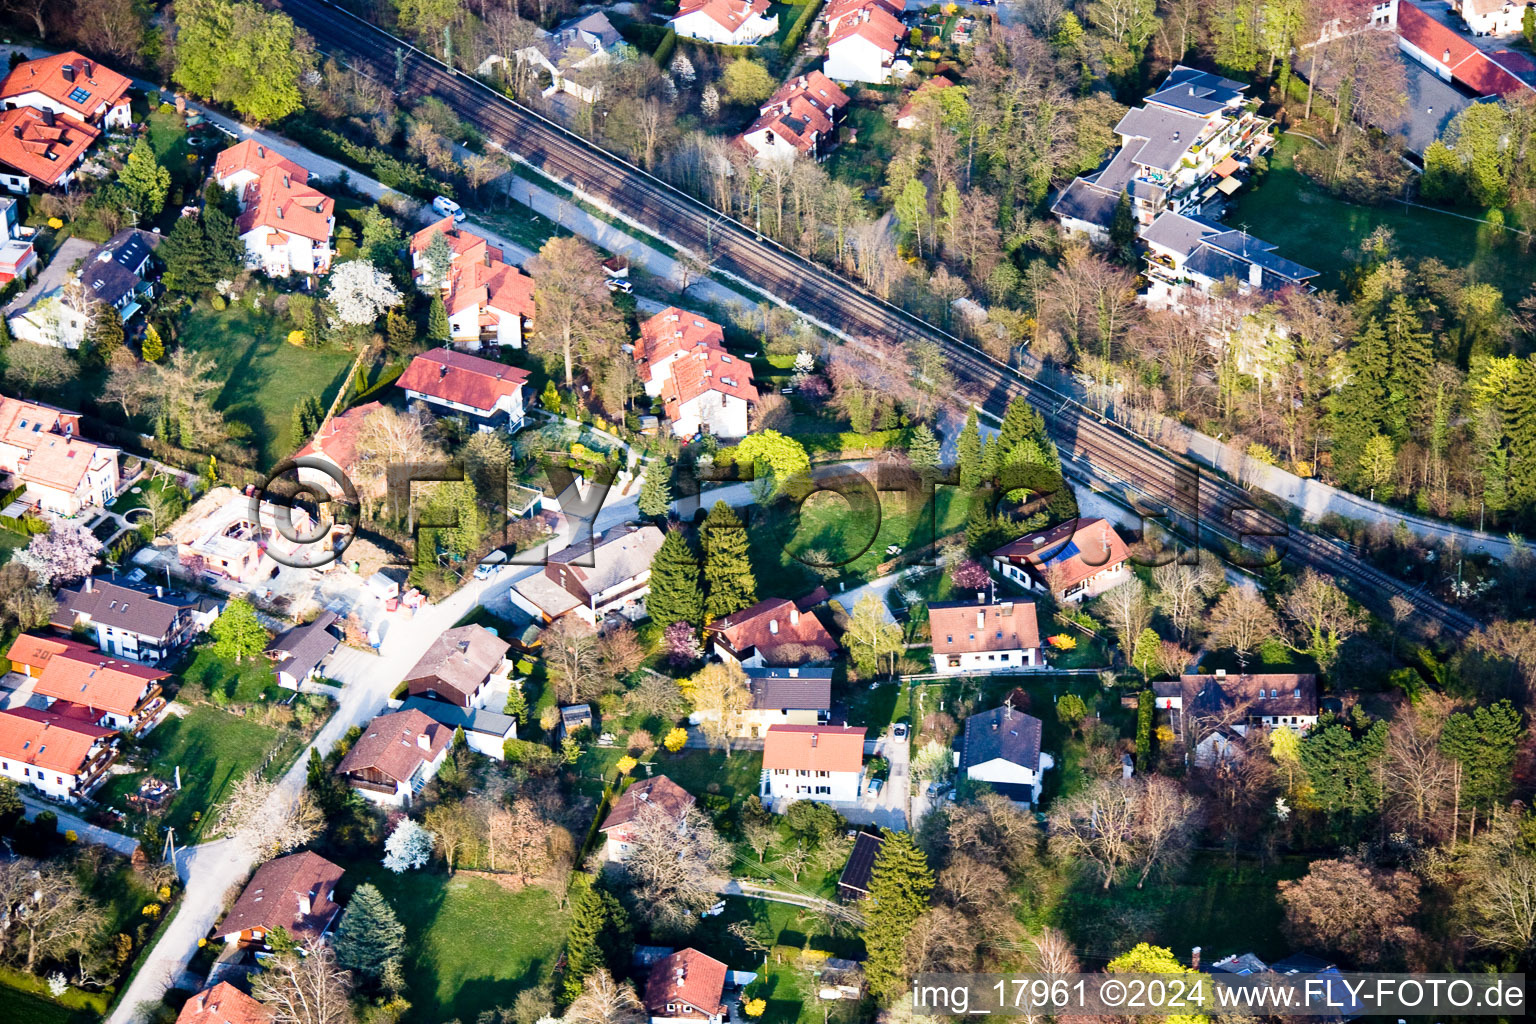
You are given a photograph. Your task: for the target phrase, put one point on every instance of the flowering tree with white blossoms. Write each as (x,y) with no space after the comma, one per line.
(683,68)
(65,554)
(408,847)
(361,292)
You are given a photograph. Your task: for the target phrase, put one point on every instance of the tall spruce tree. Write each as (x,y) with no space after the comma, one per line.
(729,585)
(1362,407)
(899,887)
(1518,407)
(656,490)
(370,937)
(583,954)
(675,594)
(437,320)
(924,449)
(1485,741)
(968,453)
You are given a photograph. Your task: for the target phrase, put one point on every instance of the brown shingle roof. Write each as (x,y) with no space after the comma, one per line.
(660,792)
(277,892)
(1067,553)
(458,662)
(1295,694)
(963,628)
(769,626)
(392,745)
(686,977)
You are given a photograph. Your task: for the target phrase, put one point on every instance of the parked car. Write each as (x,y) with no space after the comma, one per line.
(448,208)
(873,789)
(899,731)
(491,565)
(615,285)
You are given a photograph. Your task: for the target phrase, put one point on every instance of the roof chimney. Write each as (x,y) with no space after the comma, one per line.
(423,742)
(1445,58)
(48,116)
(85,68)
(261,152)
(794,616)
(16,130)
(1221,673)
(773,626)
(304,904)
(1194,958)
(68,71)
(159,591)
(1255,275)
(88,585)
(814,737)
(981,618)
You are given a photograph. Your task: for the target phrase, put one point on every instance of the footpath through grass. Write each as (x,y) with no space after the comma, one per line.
(1318,230)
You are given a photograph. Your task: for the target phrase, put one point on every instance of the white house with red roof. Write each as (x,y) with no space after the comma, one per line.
(40,447)
(687,987)
(800,119)
(1454,58)
(62,753)
(41,149)
(839,11)
(487,393)
(70,84)
(971,639)
(732,22)
(772,632)
(335,443)
(863,46)
(683,361)
(1073,561)
(824,763)
(489,301)
(285,222)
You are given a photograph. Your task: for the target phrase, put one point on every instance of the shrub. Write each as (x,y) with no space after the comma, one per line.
(801,26)
(676,739)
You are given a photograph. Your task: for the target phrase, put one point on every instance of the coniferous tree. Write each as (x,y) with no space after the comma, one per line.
(729,585)
(656,490)
(153,349)
(675,594)
(599,931)
(1122,228)
(1518,406)
(899,887)
(437,320)
(1361,408)
(1485,741)
(370,937)
(924,449)
(968,453)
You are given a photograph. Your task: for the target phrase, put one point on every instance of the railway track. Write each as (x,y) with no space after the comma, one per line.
(1201,504)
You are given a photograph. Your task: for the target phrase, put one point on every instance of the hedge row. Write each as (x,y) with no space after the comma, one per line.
(801,26)
(380,164)
(663,51)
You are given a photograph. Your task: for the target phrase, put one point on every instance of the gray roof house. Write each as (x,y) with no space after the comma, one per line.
(609,573)
(1187,251)
(790,688)
(573,717)
(114,273)
(459,666)
(140,623)
(297,653)
(484,731)
(1002,748)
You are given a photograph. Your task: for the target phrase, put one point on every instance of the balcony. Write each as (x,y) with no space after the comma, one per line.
(372,787)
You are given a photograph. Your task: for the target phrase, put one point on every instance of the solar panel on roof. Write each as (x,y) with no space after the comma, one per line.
(79,95)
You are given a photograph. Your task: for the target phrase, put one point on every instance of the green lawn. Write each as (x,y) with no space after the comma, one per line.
(26,1008)
(856,539)
(471,945)
(134,497)
(168,138)
(242,682)
(9,542)
(708,771)
(861,163)
(1318,230)
(214,750)
(785,984)
(265,377)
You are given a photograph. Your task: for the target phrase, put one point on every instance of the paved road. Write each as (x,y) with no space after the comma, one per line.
(87,832)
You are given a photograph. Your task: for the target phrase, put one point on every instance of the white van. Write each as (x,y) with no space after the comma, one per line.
(448,208)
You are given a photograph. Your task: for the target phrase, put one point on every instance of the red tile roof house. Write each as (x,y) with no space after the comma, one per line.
(63,754)
(611,573)
(824,763)
(223,1004)
(771,632)
(296,893)
(40,149)
(971,639)
(489,301)
(1075,560)
(687,987)
(80,681)
(285,223)
(70,84)
(733,22)
(459,667)
(336,443)
(1451,57)
(487,393)
(40,447)
(655,795)
(863,46)
(839,11)
(800,119)
(683,361)
(395,757)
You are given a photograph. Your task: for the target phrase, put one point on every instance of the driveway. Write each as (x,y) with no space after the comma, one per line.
(87,832)
(72,251)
